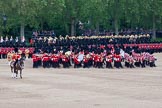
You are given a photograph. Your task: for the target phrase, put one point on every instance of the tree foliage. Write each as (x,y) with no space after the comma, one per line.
(63,16)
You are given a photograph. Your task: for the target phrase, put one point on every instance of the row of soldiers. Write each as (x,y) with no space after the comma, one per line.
(99,59)
(6,53)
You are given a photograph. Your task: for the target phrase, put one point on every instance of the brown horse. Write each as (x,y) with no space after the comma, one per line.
(19,66)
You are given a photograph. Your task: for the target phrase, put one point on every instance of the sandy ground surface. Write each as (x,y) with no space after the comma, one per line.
(82,88)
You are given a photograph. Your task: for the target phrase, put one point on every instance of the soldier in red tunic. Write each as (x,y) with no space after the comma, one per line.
(90,63)
(117,61)
(109,60)
(143,59)
(126,59)
(31,51)
(35,61)
(95,56)
(45,60)
(77,62)
(3,53)
(55,60)
(131,61)
(99,60)
(86,60)
(152,60)
(16,57)
(39,60)
(65,61)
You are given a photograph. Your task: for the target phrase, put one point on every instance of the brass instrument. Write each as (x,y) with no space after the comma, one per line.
(27,53)
(68,53)
(88,56)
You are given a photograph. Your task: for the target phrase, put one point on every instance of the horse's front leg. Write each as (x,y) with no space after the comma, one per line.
(12,72)
(16,76)
(21,73)
(16,72)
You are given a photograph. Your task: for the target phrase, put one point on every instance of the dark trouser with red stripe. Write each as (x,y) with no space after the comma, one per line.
(55,64)
(90,63)
(118,64)
(77,65)
(108,65)
(35,64)
(137,64)
(39,63)
(127,64)
(143,63)
(65,64)
(86,65)
(45,64)
(95,64)
(99,64)
(152,64)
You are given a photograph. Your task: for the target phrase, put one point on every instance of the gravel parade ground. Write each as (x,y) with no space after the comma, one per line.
(82,88)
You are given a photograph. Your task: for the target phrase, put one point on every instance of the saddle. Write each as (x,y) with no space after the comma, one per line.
(18,64)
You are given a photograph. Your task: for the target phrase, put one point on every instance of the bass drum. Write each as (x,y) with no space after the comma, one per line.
(80,57)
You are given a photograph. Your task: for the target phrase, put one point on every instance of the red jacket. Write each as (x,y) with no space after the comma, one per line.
(16,56)
(95,57)
(55,58)
(64,58)
(76,61)
(35,58)
(99,58)
(45,58)
(85,59)
(117,58)
(2,50)
(109,58)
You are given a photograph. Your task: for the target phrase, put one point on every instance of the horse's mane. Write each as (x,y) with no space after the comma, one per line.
(22,59)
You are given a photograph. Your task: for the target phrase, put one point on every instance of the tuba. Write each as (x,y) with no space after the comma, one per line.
(68,53)
(88,56)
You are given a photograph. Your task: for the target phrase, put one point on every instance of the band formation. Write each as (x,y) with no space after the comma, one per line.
(95,51)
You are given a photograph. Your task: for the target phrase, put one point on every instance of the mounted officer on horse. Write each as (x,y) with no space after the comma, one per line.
(17,63)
